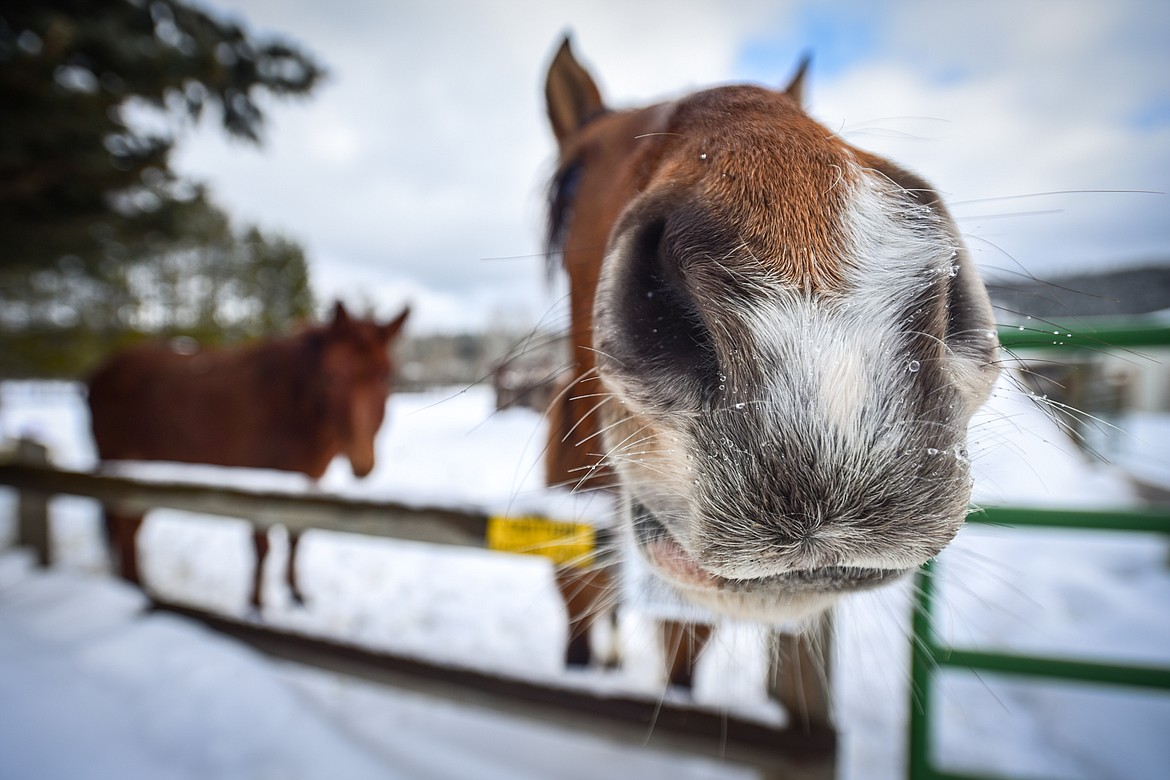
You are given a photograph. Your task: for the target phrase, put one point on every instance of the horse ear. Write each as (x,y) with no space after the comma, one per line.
(795,88)
(571,94)
(390,329)
(340,315)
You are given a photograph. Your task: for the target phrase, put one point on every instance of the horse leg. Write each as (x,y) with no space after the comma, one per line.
(585,593)
(260,542)
(121,536)
(571,586)
(294,538)
(130,551)
(113,547)
(682,643)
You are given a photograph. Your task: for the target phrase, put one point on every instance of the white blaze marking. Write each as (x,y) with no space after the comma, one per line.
(844,384)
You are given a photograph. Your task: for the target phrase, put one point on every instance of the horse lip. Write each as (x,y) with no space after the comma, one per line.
(647,527)
(672,561)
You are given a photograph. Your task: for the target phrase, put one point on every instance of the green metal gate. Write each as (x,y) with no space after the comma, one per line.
(929,655)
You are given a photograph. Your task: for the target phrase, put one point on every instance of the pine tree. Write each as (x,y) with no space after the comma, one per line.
(102,242)
(77,178)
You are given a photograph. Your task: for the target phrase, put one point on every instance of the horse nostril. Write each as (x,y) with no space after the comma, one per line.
(656,322)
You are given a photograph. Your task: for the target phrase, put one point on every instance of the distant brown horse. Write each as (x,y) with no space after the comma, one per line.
(778,342)
(291,403)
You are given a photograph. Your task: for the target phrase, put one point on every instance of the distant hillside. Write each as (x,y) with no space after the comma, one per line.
(1114,293)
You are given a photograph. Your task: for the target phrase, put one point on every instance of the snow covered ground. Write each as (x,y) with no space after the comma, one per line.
(90,687)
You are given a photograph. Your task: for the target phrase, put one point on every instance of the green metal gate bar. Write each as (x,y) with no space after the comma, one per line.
(1149,520)
(1104,334)
(928,654)
(1054,669)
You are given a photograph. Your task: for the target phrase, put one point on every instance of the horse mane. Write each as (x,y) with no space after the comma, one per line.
(561,189)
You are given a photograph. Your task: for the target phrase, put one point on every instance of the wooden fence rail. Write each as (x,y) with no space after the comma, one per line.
(294,510)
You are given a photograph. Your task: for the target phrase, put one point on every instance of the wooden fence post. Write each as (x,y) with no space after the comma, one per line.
(800,674)
(33,506)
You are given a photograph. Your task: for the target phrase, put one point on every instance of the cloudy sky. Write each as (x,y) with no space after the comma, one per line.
(417,171)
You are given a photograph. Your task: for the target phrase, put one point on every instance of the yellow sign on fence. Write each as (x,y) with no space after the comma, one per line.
(563,543)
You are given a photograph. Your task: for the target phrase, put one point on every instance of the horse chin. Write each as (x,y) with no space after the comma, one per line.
(793,595)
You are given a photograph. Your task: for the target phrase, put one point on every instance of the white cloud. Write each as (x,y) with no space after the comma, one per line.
(1044,101)
(427,150)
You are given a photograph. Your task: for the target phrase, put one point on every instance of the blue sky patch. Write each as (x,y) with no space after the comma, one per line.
(1153,115)
(839,37)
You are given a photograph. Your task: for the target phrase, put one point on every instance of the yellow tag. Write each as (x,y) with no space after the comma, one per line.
(563,543)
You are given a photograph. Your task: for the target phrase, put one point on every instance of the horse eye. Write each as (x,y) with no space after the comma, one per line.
(563,194)
(569,181)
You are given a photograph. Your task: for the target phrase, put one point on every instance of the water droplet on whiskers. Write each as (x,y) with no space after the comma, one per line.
(913,366)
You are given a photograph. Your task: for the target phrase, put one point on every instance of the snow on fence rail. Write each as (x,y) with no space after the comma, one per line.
(30,473)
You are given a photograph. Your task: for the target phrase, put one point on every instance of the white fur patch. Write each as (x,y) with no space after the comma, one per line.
(845,385)
(846,349)
(898,247)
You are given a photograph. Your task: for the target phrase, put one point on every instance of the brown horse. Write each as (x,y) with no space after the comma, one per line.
(290,403)
(778,342)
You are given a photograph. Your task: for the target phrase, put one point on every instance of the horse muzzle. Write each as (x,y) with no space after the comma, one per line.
(791,594)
